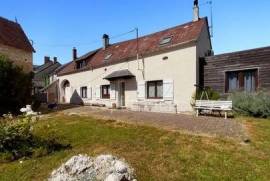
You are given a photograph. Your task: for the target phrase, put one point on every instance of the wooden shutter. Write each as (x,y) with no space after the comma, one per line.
(168,90)
(112,91)
(97,92)
(256,76)
(141,90)
(89,92)
(226,82)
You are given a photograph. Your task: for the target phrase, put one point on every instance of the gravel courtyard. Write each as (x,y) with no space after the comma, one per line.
(207,126)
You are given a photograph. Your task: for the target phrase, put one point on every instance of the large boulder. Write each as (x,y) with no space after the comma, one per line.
(101,168)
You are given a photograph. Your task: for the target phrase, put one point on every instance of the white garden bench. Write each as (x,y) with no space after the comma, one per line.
(210,105)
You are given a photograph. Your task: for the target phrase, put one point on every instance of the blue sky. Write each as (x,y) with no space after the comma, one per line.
(56,26)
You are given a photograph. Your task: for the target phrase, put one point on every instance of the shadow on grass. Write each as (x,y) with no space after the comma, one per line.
(31,147)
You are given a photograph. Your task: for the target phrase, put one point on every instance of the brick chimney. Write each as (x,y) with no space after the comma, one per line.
(46,59)
(106,41)
(54,59)
(196,13)
(74,53)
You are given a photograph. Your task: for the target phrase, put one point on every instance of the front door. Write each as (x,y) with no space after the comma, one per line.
(67,94)
(122,94)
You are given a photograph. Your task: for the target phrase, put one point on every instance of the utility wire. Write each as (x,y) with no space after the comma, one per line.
(123,34)
(84,44)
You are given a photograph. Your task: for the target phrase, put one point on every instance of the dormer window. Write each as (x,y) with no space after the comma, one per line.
(165,41)
(81,64)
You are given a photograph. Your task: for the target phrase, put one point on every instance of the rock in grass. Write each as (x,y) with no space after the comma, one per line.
(102,168)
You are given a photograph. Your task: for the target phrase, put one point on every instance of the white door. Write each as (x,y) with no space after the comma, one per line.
(67,94)
(121,95)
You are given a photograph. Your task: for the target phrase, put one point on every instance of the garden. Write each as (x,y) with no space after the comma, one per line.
(155,154)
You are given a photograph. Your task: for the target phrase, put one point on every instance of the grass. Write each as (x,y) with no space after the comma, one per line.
(155,154)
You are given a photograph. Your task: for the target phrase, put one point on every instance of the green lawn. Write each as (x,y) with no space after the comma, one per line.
(155,154)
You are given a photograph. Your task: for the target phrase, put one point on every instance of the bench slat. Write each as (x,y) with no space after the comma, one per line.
(218,105)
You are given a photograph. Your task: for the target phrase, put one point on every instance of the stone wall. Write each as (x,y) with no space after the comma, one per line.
(19,57)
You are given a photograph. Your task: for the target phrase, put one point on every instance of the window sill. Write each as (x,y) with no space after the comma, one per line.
(86,98)
(154,100)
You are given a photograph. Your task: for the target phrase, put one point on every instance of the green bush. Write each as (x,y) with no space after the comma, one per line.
(17,140)
(251,104)
(15,87)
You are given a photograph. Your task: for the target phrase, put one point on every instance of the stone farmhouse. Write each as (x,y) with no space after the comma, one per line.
(15,45)
(156,72)
(45,74)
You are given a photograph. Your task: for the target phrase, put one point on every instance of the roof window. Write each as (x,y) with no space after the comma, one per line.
(81,64)
(107,57)
(165,40)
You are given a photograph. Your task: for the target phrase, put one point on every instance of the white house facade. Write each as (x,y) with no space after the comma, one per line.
(155,73)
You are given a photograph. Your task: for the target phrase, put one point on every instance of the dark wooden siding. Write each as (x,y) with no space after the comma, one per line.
(215,67)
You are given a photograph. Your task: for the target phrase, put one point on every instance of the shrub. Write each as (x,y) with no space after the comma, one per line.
(15,87)
(36,103)
(17,140)
(251,104)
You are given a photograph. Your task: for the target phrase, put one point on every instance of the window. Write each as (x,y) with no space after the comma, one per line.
(246,80)
(81,64)
(83,92)
(46,80)
(105,91)
(155,89)
(165,40)
(107,57)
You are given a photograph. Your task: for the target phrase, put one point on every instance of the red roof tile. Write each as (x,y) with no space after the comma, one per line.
(124,51)
(12,34)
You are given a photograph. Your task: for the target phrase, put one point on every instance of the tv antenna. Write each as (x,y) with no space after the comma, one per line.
(211,26)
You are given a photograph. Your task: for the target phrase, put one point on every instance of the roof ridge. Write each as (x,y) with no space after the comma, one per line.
(43,67)
(14,29)
(167,29)
(125,50)
(241,51)
(5,19)
(141,37)
(86,55)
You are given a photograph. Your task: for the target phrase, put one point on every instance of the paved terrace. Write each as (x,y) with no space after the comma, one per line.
(208,126)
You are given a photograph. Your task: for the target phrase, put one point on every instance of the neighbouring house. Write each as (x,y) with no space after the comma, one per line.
(156,72)
(15,45)
(45,75)
(247,70)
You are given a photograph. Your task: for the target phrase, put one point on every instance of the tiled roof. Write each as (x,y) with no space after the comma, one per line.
(124,51)
(46,70)
(12,34)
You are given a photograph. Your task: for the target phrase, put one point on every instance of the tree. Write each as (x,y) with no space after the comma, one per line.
(15,87)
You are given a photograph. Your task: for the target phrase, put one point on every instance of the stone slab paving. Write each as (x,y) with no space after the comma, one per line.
(209,126)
